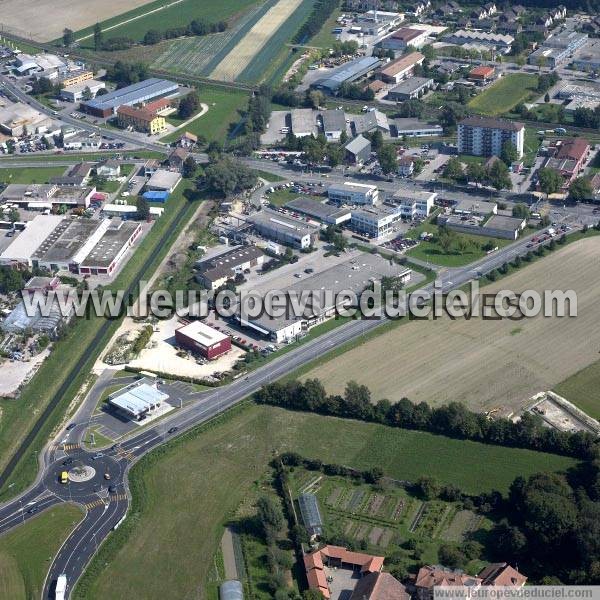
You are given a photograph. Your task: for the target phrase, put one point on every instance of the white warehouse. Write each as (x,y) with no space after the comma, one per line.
(353,193)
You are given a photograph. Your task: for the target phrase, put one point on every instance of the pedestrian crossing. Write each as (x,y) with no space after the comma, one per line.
(101,502)
(67,447)
(126,454)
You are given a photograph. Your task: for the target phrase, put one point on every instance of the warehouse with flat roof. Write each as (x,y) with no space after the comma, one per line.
(217,271)
(23,247)
(351,192)
(332,215)
(287,230)
(137,93)
(163,181)
(198,337)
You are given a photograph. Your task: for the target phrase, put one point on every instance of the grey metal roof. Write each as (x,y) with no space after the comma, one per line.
(410,85)
(358,144)
(311,515)
(334,120)
(314,208)
(348,72)
(134,93)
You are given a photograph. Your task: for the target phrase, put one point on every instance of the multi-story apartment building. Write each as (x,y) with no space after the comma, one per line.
(484,136)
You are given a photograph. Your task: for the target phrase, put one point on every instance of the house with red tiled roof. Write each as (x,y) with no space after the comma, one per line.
(501,574)
(569,158)
(340,558)
(379,586)
(430,576)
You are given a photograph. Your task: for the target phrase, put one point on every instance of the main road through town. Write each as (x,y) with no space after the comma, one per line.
(104,493)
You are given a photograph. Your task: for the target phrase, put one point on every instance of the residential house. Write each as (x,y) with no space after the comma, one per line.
(177,158)
(501,574)
(187,140)
(108,168)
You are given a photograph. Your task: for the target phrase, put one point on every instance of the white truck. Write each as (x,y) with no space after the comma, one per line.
(61,587)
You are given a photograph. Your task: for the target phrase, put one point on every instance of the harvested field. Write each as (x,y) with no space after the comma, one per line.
(45,20)
(482,362)
(253,42)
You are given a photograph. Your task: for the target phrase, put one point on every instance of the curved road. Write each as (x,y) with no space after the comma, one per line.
(105,508)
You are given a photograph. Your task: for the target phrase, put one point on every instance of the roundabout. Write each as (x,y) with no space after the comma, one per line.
(81,474)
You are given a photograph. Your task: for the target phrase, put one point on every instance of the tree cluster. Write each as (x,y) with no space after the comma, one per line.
(321,11)
(124,74)
(197,27)
(587,117)
(453,420)
(226,177)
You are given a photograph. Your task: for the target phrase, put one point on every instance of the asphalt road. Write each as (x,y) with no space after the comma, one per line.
(105,510)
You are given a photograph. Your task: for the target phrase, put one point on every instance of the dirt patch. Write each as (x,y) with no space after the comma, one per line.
(45,20)
(482,363)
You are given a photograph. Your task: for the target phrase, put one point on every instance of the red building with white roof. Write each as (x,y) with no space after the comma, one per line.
(198,337)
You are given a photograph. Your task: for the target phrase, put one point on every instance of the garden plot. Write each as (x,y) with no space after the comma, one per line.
(463,522)
(259,35)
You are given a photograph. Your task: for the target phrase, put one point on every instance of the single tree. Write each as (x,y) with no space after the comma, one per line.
(97,36)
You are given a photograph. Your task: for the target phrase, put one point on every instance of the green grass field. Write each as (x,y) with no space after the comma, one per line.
(185,492)
(505,94)
(27,551)
(432,252)
(220,118)
(18,417)
(30,175)
(177,15)
(583,390)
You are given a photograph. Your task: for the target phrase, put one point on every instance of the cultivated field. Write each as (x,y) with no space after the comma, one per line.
(240,56)
(215,470)
(484,363)
(505,94)
(200,55)
(44,20)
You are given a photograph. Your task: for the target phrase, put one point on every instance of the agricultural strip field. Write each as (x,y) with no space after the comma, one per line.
(240,57)
(200,55)
(224,106)
(164,14)
(583,390)
(266,62)
(26,550)
(501,97)
(483,363)
(214,470)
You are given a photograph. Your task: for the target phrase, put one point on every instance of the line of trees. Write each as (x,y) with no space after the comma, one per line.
(197,27)
(321,11)
(453,420)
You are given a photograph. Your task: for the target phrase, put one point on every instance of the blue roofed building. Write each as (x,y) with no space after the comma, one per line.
(136,94)
(156,196)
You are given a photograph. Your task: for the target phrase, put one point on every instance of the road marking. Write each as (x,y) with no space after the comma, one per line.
(67,447)
(94,504)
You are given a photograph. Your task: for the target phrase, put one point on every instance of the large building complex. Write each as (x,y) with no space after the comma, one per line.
(414,204)
(279,228)
(374,221)
(136,94)
(497,41)
(42,195)
(485,136)
(558,49)
(401,39)
(353,193)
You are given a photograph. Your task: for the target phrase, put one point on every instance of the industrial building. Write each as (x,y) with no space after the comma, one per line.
(414,204)
(498,226)
(137,93)
(279,228)
(129,211)
(326,213)
(411,88)
(401,68)
(485,136)
(76,176)
(497,41)
(77,91)
(372,120)
(215,272)
(399,40)
(46,195)
(140,119)
(353,193)
(74,78)
(200,338)
(16,118)
(334,123)
(475,208)
(138,399)
(162,180)
(374,221)
(346,73)
(586,95)
(414,128)
(304,122)
(358,150)
(558,48)
(376,22)
(323,288)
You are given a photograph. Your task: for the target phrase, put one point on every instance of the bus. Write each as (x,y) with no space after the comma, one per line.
(64,477)
(61,587)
